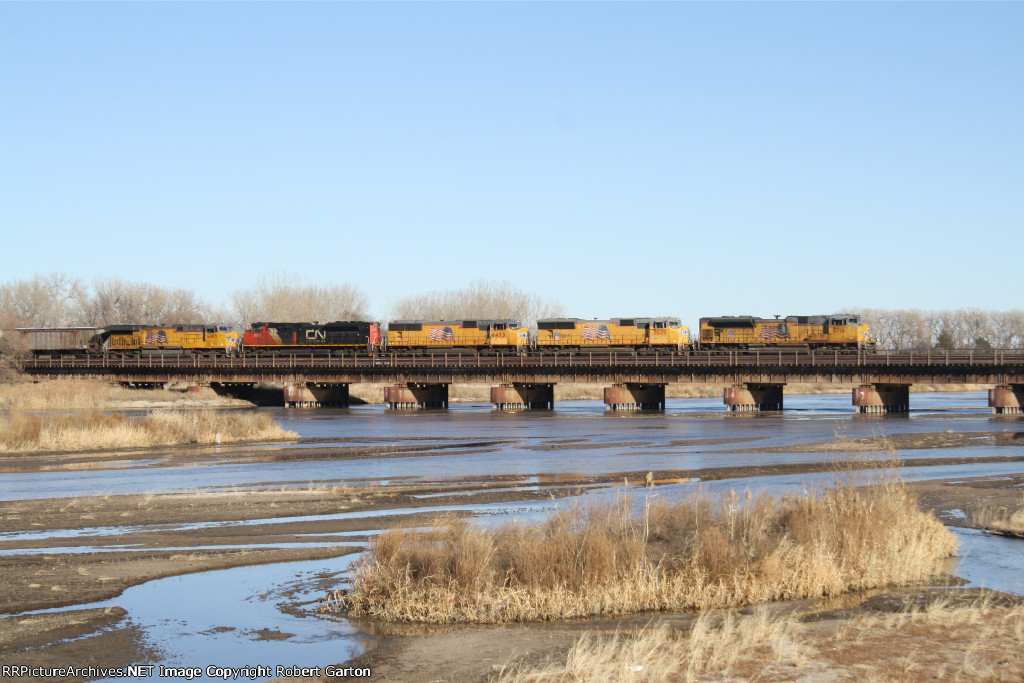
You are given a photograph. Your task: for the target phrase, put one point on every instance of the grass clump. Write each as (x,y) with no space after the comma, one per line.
(95,431)
(614,560)
(979,642)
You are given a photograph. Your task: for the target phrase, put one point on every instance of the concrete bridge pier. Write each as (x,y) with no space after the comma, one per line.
(517,396)
(416,396)
(315,395)
(1006,399)
(880,399)
(751,397)
(630,396)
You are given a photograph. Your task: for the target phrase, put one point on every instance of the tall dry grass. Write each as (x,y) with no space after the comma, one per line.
(725,646)
(1007,519)
(95,431)
(697,554)
(980,642)
(70,394)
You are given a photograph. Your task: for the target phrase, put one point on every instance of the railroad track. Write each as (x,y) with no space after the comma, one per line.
(792,358)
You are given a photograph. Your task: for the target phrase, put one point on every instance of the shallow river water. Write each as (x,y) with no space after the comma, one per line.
(223,610)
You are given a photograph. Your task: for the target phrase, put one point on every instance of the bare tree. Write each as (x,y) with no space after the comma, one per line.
(479,299)
(962,328)
(1007,329)
(115,301)
(283,297)
(51,300)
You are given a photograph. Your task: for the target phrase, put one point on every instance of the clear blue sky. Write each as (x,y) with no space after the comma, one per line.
(624,158)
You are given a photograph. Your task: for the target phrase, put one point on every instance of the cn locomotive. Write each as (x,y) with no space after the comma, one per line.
(837,331)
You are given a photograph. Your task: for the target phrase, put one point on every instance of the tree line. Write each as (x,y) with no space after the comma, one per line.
(961,328)
(57,300)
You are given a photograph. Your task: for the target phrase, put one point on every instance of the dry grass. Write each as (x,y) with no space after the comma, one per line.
(1000,518)
(982,642)
(69,394)
(716,647)
(94,431)
(615,560)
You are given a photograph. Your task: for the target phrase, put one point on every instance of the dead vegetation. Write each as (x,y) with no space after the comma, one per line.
(478,299)
(701,553)
(1003,519)
(94,430)
(74,394)
(980,642)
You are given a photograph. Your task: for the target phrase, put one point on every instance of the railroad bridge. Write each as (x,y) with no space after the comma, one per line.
(752,380)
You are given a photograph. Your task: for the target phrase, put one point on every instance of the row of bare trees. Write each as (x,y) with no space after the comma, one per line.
(56,300)
(486,299)
(962,328)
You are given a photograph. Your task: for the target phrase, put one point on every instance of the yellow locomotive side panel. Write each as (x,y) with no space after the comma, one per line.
(576,332)
(137,337)
(864,338)
(817,331)
(457,334)
(716,333)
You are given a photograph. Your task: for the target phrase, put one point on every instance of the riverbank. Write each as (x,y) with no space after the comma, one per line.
(77,394)
(98,431)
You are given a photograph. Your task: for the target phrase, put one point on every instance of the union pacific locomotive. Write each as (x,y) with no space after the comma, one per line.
(837,331)
(657,333)
(804,331)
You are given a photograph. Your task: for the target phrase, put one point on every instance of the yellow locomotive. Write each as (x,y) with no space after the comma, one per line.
(207,337)
(663,333)
(443,334)
(838,331)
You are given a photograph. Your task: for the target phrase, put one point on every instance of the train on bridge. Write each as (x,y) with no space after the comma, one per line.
(642,334)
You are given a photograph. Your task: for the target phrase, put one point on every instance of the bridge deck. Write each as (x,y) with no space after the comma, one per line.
(933,366)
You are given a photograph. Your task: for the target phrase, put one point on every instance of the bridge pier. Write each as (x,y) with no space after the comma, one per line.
(752,397)
(1006,399)
(518,396)
(315,395)
(631,396)
(416,396)
(882,398)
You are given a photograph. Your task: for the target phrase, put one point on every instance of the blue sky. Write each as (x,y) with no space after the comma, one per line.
(624,158)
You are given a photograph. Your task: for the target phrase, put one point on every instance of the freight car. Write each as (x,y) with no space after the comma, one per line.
(48,341)
(334,336)
(502,333)
(837,331)
(643,333)
(175,338)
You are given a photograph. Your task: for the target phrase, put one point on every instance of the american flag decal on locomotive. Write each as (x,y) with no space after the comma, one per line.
(441,334)
(774,332)
(156,337)
(592,332)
